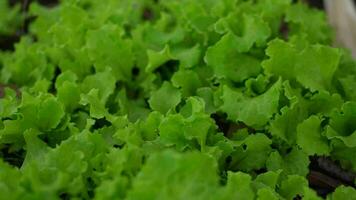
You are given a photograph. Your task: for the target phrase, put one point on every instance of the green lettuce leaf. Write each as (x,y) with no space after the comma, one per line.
(342,125)
(290,62)
(165,98)
(168,175)
(255,111)
(310,138)
(228,63)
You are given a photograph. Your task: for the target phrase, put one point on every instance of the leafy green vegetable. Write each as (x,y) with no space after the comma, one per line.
(165,98)
(10,18)
(302,64)
(294,162)
(175,99)
(309,137)
(228,63)
(342,125)
(255,111)
(343,192)
(169,175)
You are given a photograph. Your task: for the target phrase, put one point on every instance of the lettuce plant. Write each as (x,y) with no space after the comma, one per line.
(173,99)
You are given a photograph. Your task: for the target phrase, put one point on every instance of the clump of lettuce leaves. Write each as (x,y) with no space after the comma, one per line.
(125,100)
